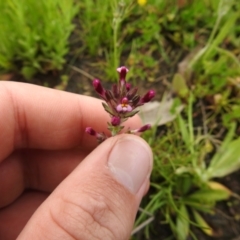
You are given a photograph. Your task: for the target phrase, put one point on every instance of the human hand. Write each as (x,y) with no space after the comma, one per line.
(75,192)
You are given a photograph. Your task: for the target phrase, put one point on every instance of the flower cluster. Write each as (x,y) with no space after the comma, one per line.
(122,102)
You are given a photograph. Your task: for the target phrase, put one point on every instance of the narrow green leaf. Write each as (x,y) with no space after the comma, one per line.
(203,224)
(130,114)
(209,195)
(206,208)
(182,225)
(224,7)
(224,31)
(184,130)
(226,161)
(107,108)
(218,186)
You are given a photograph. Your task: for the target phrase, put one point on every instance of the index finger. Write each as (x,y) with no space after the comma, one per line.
(43,118)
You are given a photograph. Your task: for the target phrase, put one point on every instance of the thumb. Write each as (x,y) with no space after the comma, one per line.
(100,198)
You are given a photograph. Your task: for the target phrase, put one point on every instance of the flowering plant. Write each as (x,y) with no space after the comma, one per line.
(122,102)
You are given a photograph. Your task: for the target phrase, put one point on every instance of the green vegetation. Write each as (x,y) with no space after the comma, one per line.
(195,45)
(184,172)
(34,34)
(190,157)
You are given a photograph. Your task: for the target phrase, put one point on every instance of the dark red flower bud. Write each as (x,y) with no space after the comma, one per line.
(128,86)
(90,131)
(148,96)
(122,74)
(115,121)
(142,129)
(98,87)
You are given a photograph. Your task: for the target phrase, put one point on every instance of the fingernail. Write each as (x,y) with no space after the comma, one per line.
(131,162)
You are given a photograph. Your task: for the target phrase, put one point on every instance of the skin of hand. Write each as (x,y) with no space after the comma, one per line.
(55,181)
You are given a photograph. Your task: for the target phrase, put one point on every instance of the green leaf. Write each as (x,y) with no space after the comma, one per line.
(182,226)
(203,224)
(179,85)
(226,161)
(224,7)
(130,114)
(184,130)
(209,195)
(229,136)
(206,208)
(225,29)
(107,108)
(218,186)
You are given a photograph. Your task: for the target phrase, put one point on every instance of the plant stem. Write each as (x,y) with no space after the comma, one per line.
(115,43)
(212,35)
